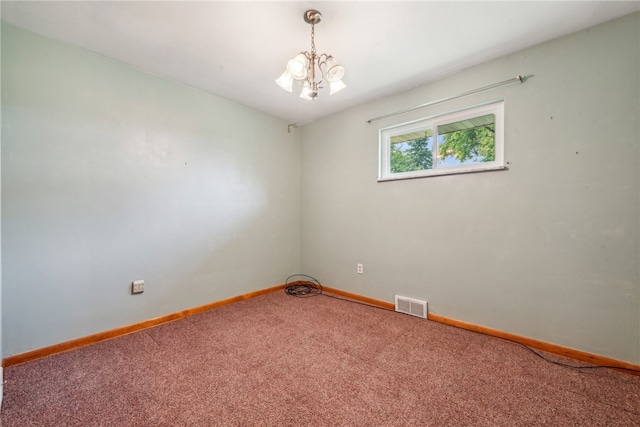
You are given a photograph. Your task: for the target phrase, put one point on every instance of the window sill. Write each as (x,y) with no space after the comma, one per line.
(442,172)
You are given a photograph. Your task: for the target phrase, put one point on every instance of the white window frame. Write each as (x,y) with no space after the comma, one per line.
(385,135)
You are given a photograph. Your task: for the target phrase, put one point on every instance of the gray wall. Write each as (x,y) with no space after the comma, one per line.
(110,174)
(548,249)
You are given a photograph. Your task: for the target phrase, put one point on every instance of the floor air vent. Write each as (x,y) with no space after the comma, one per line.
(411,306)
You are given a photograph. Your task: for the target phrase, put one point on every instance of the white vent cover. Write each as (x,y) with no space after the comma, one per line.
(411,306)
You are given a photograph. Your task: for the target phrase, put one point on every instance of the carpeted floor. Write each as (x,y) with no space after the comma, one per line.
(277,360)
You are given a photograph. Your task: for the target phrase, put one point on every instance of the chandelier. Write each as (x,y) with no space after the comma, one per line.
(305,67)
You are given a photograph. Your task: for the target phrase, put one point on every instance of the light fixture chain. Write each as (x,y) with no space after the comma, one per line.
(313,39)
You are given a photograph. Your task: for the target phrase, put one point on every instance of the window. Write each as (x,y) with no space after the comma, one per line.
(465,141)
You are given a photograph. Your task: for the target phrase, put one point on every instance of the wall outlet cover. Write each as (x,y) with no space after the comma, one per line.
(137,287)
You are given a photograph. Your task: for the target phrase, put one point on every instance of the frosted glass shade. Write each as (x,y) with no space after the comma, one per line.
(285,81)
(335,72)
(336,86)
(298,66)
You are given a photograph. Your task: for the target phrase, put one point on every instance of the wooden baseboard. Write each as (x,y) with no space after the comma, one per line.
(360,298)
(125,330)
(114,333)
(571,353)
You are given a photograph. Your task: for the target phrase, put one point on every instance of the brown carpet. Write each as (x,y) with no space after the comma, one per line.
(277,360)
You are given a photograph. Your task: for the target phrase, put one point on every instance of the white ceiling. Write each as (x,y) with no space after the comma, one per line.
(237,49)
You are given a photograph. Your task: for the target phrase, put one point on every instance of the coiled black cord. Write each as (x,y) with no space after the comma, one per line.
(303,288)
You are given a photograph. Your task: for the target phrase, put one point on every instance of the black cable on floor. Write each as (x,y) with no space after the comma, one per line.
(303,288)
(311,288)
(567,365)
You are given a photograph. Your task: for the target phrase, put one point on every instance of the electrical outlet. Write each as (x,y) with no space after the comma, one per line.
(360,269)
(137,287)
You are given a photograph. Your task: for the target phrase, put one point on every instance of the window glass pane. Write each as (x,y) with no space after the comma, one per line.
(412,151)
(467,141)
(463,141)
